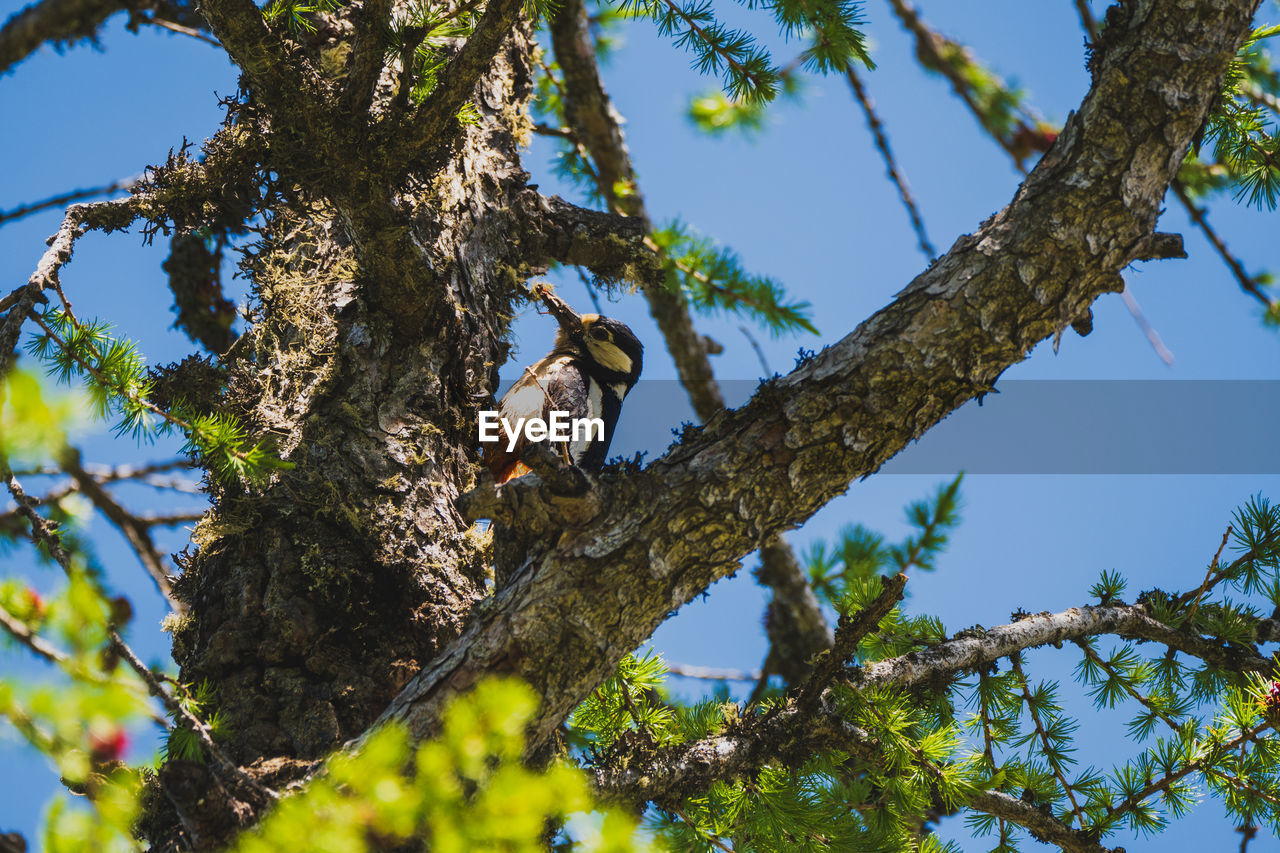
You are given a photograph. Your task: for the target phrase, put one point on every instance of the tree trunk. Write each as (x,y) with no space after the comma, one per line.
(312,601)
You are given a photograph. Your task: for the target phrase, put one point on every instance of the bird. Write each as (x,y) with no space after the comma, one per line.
(594,363)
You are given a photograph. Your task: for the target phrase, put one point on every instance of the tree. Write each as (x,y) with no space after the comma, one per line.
(338,582)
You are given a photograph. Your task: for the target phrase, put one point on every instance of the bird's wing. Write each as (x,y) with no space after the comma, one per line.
(554,383)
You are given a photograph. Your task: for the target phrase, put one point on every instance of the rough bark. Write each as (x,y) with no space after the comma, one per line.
(658,537)
(383,311)
(64,22)
(58,21)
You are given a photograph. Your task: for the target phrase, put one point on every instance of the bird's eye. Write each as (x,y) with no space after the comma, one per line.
(599,333)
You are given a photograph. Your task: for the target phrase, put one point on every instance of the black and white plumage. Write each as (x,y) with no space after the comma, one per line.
(595,361)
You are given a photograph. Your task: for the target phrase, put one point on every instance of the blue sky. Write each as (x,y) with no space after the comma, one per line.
(806,202)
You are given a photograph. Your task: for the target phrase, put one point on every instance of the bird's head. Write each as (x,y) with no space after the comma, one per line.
(607,343)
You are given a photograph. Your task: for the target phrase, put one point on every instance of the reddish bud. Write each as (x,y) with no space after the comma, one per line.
(108,747)
(1271,702)
(34,604)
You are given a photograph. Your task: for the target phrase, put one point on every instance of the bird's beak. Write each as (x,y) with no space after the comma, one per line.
(570,321)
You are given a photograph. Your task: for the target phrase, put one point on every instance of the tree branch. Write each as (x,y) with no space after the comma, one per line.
(795,730)
(437,116)
(44,532)
(21,632)
(282,79)
(890,162)
(64,199)
(1041,822)
(636,774)
(667,532)
(135,531)
(941,662)
(59,21)
(611,246)
(787,737)
(849,632)
(1199,218)
(366,61)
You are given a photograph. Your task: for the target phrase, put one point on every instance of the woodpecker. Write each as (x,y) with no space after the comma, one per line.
(595,361)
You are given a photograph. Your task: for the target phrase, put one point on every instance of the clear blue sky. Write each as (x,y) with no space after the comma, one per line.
(806,202)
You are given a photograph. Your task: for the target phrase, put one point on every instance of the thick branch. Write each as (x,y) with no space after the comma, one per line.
(59,21)
(1041,822)
(610,245)
(366,62)
(438,114)
(282,79)
(1030,270)
(64,199)
(794,621)
(1130,621)
(593,121)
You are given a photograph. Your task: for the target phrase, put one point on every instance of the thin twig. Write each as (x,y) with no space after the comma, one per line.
(1153,337)
(929,46)
(22,632)
(1261,98)
(1198,217)
(1015,662)
(711,673)
(110,473)
(176,28)
(849,632)
(591,288)
(579,148)
(135,533)
(128,393)
(548,130)
(66,198)
(890,162)
(710,838)
(1145,701)
(755,345)
(179,710)
(1086,20)
(169,519)
(1208,576)
(44,532)
(1131,802)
